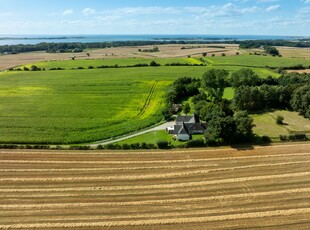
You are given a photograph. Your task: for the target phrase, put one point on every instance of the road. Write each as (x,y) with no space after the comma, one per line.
(157,128)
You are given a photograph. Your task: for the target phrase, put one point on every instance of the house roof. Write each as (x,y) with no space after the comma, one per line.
(196,126)
(187,128)
(188,119)
(183,130)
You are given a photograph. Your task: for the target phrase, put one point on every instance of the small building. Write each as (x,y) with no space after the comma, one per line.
(186,126)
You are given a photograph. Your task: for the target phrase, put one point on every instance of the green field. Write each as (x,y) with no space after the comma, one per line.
(79,106)
(154,137)
(69,64)
(256,61)
(265,124)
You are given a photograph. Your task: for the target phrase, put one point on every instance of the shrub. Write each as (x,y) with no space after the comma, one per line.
(195,143)
(301,137)
(283,138)
(99,147)
(163,144)
(210,140)
(154,63)
(266,139)
(126,146)
(113,146)
(135,146)
(91,67)
(280,120)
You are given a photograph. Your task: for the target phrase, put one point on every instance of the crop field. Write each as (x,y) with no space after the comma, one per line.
(256,61)
(68,64)
(264,187)
(77,106)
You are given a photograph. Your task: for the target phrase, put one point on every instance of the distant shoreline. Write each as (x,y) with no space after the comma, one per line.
(36,39)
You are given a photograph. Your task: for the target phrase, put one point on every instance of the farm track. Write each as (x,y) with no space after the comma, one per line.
(264,187)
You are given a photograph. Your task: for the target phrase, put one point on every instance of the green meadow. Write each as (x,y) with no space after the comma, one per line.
(82,106)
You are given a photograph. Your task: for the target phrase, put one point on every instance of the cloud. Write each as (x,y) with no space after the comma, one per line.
(227,10)
(67,12)
(304,12)
(88,11)
(266,1)
(273,8)
(305,1)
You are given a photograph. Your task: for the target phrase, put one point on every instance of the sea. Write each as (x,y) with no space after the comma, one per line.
(35,39)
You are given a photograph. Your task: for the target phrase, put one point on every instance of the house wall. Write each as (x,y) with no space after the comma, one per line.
(183,137)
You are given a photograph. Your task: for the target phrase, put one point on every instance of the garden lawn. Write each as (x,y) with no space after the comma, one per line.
(154,137)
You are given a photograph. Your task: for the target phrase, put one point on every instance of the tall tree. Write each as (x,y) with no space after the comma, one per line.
(215,82)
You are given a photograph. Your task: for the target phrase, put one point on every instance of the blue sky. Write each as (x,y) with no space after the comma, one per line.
(233,17)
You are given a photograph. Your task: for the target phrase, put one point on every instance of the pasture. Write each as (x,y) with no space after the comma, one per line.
(265,124)
(266,187)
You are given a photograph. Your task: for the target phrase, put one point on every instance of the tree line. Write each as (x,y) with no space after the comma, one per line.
(228,121)
(79,47)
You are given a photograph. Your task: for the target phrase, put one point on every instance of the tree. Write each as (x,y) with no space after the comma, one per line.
(215,82)
(279,120)
(237,53)
(245,77)
(204,54)
(186,108)
(248,98)
(223,129)
(154,63)
(244,127)
(301,100)
(271,50)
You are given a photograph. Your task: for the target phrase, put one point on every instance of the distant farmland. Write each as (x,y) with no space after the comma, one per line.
(85,105)
(267,187)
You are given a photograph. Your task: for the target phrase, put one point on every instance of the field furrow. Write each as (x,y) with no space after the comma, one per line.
(264,187)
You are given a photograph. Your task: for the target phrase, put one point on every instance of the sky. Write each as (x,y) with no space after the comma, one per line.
(221,17)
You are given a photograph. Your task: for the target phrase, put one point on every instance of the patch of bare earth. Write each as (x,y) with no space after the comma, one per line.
(166,51)
(299,71)
(261,187)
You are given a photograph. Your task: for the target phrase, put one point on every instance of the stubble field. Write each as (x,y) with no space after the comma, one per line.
(264,187)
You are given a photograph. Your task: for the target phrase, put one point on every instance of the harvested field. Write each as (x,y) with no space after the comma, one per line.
(261,187)
(166,51)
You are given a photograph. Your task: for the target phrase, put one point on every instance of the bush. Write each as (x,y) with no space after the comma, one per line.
(195,143)
(279,120)
(113,146)
(126,146)
(301,137)
(154,63)
(210,140)
(163,144)
(99,147)
(135,146)
(266,139)
(283,138)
